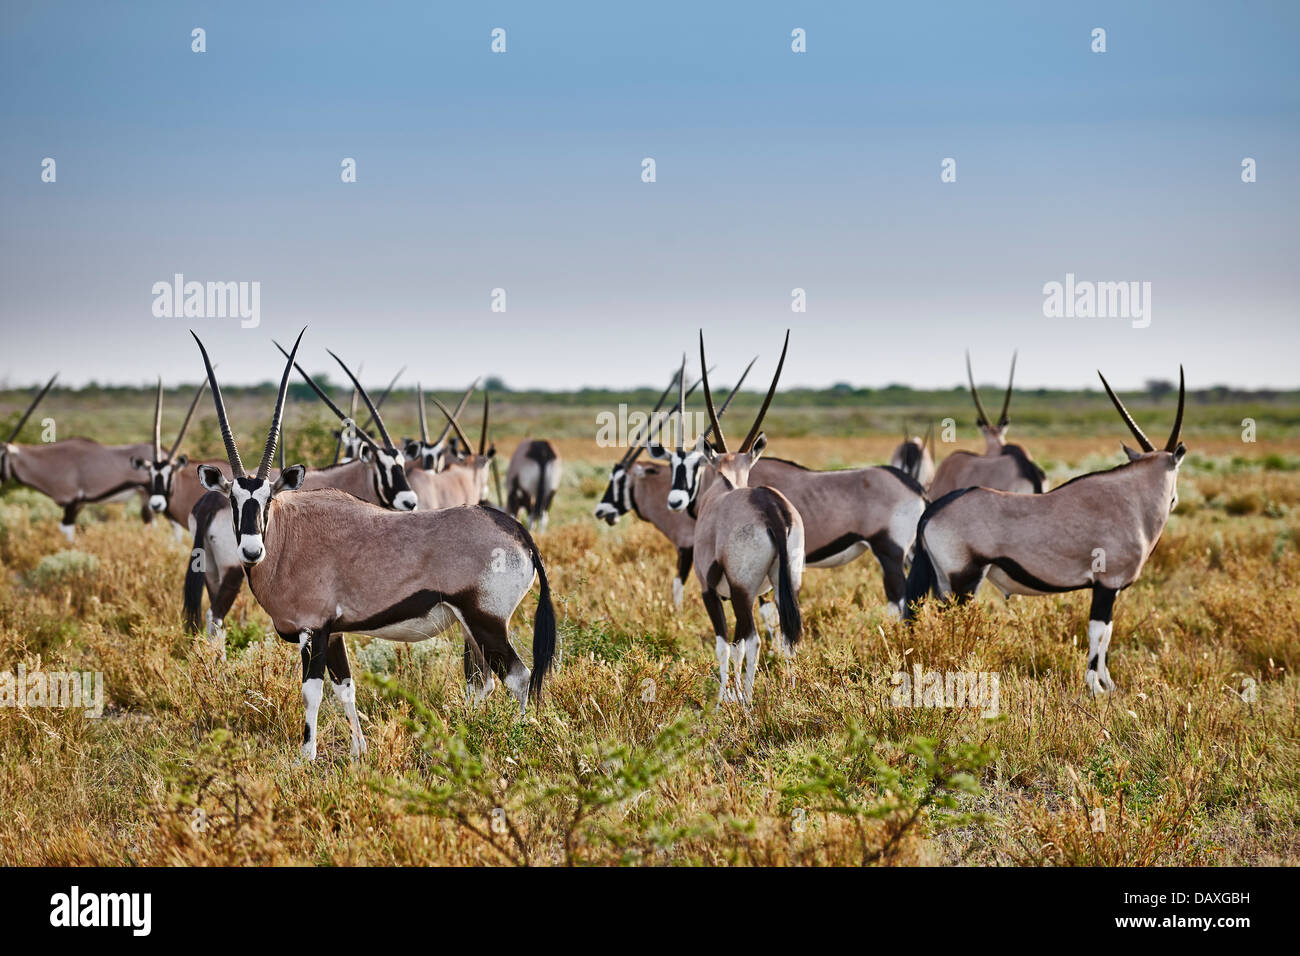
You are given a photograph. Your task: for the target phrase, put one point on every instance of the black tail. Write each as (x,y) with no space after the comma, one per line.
(194,575)
(543,625)
(787,601)
(539,498)
(921,579)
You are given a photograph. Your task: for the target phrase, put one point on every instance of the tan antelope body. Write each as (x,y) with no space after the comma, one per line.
(321,563)
(459,480)
(75,472)
(747,540)
(532,478)
(1096,531)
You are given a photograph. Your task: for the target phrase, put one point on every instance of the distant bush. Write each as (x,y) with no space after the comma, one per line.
(62,569)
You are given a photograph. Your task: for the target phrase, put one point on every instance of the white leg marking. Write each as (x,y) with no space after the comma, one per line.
(750,645)
(346,692)
(69,531)
(1097,677)
(771,618)
(723,651)
(737,665)
(678,588)
(1103,647)
(517,681)
(312,690)
(217,633)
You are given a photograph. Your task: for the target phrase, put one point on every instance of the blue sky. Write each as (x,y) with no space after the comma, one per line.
(775,170)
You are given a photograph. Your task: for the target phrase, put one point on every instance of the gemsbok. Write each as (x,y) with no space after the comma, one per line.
(377,475)
(173,489)
(72,471)
(348,445)
(532,477)
(426,454)
(915,456)
(1003,466)
(747,540)
(463,480)
(322,563)
(1096,531)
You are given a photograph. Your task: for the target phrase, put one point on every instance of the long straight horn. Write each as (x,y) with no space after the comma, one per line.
(482,437)
(384,395)
(979,406)
(232,453)
(1128,419)
(203,387)
(365,397)
(681,404)
(352,413)
(460,407)
(451,420)
(708,400)
(157,423)
(758,422)
(31,408)
(320,393)
(424,425)
(1006,401)
(635,445)
(1177,432)
(734,389)
(273,436)
(929,439)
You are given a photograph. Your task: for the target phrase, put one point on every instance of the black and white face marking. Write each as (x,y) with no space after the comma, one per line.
(686,478)
(388,468)
(161,474)
(432,457)
(614,503)
(249,498)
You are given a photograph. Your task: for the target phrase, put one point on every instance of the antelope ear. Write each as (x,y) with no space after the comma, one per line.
(290,479)
(411,447)
(365,453)
(708,451)
(657,451)
(138,463)
(1179,452)
(491,452)
(1132,455)
(180,461)
(756,450)
(211,478)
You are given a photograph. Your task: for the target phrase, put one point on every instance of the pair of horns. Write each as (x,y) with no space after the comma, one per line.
(681,403)
(634,446)
(157,421)
(1006,401)
(272,436)
(714,427)
(1145,442)
(424,428)
(453,423)
(365,397)
(31,408)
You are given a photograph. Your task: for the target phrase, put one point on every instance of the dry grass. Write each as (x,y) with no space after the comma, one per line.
(194,761)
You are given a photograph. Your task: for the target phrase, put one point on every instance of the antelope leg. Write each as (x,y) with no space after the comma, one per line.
(312,645)
(345,689)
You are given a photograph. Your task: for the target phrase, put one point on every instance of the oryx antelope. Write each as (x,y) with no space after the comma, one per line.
(426,454)
(915,456)
(322,562)
(1096,531)
(464,479)
(72,471)
(349,444)
(378,475)
(845,514)
(532,477)
(747,540)
(643,489)
(1003,466)
(173,489)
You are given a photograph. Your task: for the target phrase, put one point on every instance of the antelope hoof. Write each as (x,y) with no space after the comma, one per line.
(359,746)
(1097,684)
(309,751)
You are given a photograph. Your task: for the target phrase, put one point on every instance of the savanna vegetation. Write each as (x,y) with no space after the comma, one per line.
(1195,760)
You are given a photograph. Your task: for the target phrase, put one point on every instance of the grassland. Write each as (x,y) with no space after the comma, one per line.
(1196,760)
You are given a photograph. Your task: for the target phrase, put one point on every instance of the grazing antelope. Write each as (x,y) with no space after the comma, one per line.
(845,514)
(377,475)
(72,471)
(463,481)
(431,455)
(643,489)
(1096,531)
(747,540)
(1003,466)
(531,479)
(322,562)
(915,458)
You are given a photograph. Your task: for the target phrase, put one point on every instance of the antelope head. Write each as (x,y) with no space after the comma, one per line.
(387,463)
(163,468)
(995,436)
(463,452)
(7,446)
(349,443)
(432,455)
(617,500)
(731,466)
(1167,460)
(250,498)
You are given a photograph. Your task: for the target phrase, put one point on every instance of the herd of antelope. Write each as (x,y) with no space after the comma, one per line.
(401,540)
